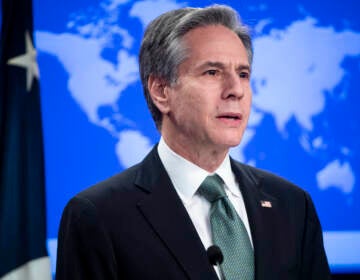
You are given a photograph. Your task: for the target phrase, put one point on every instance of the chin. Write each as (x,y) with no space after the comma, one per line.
(226,139)
(231,140)
(230,144)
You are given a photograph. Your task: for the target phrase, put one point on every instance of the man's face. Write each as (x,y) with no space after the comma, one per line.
(209,105)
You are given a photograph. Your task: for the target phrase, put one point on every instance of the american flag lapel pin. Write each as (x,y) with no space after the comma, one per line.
(265,203)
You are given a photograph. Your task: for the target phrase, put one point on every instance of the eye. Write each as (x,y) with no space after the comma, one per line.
(211,72)
(244,75)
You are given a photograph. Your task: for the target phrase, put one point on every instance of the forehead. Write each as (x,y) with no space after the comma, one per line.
(215,43)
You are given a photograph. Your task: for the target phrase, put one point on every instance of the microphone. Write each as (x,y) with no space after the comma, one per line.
(215,255)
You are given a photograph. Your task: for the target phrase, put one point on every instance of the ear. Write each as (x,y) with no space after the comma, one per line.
(159,93)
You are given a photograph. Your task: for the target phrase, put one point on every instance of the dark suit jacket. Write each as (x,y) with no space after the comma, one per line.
(134,226)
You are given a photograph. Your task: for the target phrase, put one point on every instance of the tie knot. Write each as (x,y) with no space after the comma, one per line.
(212,188)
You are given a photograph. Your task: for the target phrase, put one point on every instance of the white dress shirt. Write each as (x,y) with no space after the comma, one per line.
(187,178)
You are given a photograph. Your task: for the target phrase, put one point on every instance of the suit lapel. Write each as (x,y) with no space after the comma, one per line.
(263,214)
(164,211)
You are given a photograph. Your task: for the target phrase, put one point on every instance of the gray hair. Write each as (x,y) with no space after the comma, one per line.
(162,49)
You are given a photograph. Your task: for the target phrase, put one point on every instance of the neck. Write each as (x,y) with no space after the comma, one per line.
(202,155)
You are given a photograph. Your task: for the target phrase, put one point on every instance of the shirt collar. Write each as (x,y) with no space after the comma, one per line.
(187,177)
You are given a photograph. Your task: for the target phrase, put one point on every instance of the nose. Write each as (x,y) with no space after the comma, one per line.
(234,86)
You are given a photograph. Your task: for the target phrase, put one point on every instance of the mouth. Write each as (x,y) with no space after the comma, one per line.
(230,116)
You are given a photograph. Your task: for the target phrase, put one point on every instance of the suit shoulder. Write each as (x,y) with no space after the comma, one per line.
(111,190)
(269,181)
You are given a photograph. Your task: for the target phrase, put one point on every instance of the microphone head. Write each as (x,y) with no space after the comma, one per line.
(215,255)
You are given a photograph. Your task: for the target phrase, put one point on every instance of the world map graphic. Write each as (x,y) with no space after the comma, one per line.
(304,124)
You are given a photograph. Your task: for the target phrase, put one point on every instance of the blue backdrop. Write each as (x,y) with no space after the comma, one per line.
(304,124)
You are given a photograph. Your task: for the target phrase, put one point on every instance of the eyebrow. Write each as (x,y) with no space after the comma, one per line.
(221,65)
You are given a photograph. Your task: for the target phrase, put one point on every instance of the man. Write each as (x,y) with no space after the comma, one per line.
(157,219)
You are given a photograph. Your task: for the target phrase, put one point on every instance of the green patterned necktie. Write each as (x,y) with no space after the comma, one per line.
(228,232)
